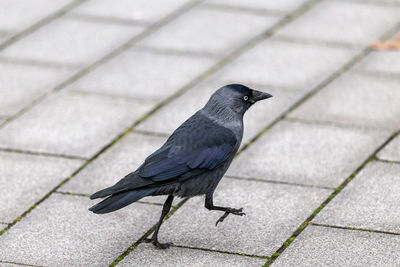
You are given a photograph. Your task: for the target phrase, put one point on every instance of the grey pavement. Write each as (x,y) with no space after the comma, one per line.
(391,151)
(89,88)
(324,246)
(368,202)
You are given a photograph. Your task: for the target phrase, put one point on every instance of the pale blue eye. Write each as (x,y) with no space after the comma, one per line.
(246,98)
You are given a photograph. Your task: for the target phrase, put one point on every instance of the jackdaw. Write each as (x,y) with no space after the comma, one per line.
(193,159)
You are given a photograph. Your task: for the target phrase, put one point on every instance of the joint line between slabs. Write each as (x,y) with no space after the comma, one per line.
(277,182)
(108,56)
(353,228)
(45,154)
(147,234)
(46,20)
(307,222)
(222,252)
(353,61)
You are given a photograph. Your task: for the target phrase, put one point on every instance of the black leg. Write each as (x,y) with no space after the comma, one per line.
(210,206)
(154,238)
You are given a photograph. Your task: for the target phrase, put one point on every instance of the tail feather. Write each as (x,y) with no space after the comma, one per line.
(120,200)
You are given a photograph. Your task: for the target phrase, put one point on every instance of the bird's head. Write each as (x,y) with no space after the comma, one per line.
(236,97)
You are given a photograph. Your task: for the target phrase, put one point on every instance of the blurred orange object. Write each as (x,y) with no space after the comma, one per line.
(388,45)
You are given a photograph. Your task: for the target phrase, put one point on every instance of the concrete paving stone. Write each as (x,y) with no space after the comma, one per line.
(322,246)
(21,84)
(169,117)
(191,32)
(14,17)
(28,178)
(142,10)
(147,255)
(355,100)
(285,64)
(273,212)
(381,61)
(2,226)
(141,74)
(122,158)
(313,154)
(280,6)
(346,22)
(391,151)
(71,41)
(370,201)
(61,231)
(3,264)
(72,123)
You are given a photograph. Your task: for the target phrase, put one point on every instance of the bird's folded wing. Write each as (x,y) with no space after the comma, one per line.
(185,154)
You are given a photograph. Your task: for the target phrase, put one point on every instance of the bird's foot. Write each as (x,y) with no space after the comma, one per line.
(228,211)
(158,244)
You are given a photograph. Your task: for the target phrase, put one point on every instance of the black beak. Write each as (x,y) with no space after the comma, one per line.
(257,96)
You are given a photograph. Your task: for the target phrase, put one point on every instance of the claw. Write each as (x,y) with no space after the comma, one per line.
(233,211)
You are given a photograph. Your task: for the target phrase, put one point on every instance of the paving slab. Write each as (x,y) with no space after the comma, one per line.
(326,21)
(28,178)
(3,264)
(169,117)
(20,84)
(370,201)
(391,151)
(147,255)
(312,154)
(280,63)
(141,10)
(358,100)
(381,61)
(73,124)
(143,74)
(122,158)
(2,226)
(273,212)
(70,41)
(65,233)
(14,17)
(322,246)
(191,32)
(279,6)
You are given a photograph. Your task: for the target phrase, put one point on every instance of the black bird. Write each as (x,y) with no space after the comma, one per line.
(193,159)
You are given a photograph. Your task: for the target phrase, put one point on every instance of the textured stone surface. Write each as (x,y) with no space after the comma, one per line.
(143,10)
(2,226)
(347,22)
(147,255)
(122,158)
(145,75)
(70,41)
(169,117)
(313,154)
(67,234)
(318,246)
(27,179)
(281,6)
(215,35)
(14,16)
(370,201)
(21,84)
(273,211)
(356,100)
(391,151)
(72,123)
(381,61)
(285,64)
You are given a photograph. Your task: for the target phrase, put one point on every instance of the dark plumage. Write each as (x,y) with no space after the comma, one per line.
(193,159)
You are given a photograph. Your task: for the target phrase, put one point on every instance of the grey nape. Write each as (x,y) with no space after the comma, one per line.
(193,159)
